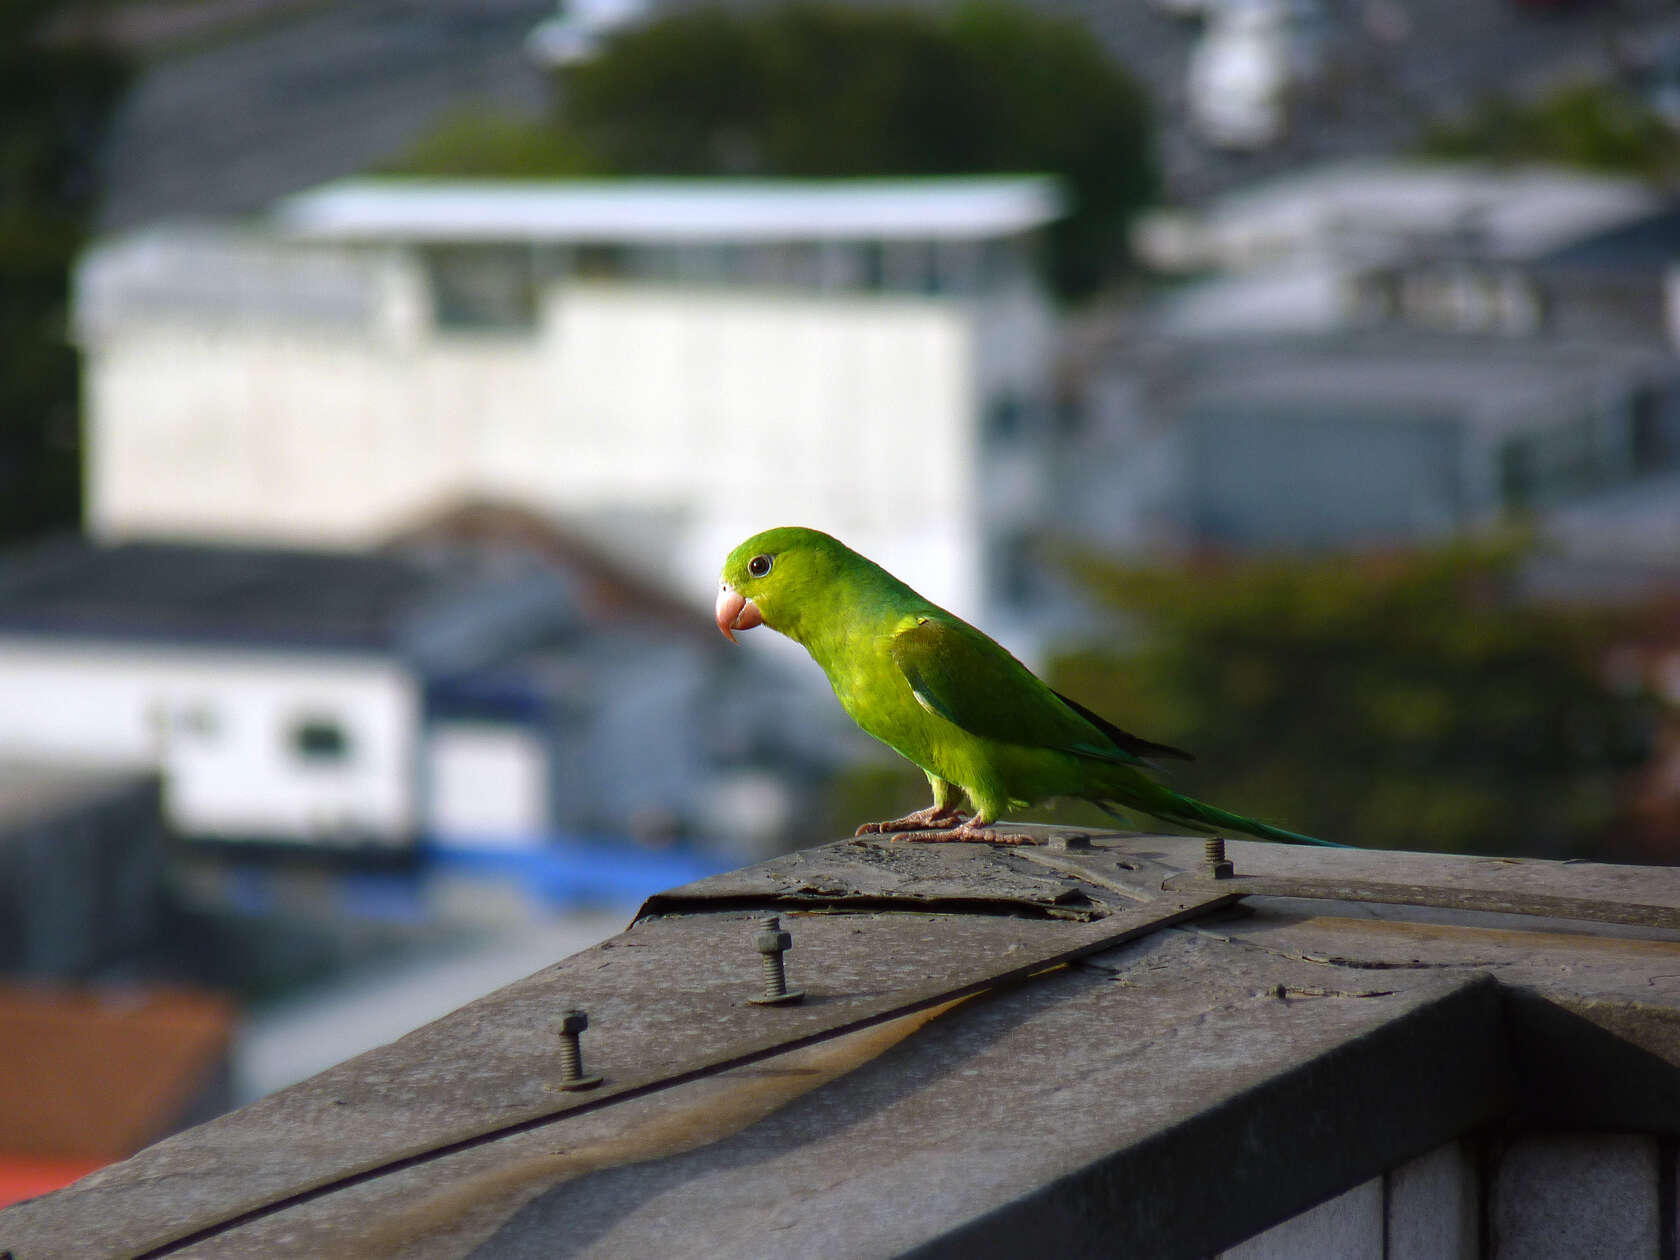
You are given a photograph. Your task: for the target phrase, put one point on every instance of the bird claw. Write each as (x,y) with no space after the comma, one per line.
(966,833)
(922,820)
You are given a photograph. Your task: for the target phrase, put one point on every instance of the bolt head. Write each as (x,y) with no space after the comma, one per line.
(784,999)
(774,942)
(570,1022)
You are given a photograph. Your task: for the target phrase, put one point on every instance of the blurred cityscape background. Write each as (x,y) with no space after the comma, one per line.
(383,381)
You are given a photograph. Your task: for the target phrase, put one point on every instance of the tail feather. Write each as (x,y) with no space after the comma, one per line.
(1187,811)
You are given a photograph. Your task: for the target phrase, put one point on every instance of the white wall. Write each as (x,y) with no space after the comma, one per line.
(486,784)
(220,723)
(728,411)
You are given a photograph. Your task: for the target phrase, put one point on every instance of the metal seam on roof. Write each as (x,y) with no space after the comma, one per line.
(1489,901)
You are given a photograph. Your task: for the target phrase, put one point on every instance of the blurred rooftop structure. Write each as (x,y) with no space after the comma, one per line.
(441,614)
(619,356)
(1103,1041)
(1371,208)
(1385,437)
(89,1076)
(657,211)
(1415,350)
(481,688)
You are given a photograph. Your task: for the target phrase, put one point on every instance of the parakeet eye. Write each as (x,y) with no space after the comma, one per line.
(758,566)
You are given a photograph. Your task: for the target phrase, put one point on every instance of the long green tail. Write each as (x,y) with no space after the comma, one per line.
(1187,811)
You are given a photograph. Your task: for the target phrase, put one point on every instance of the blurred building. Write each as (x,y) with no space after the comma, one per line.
(669,366)
(1367,440)
(1387,353)
(1251,62)
(362,702)
(578,30)
(81,869)
(1354,243)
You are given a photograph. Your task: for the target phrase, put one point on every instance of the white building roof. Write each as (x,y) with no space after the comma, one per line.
(672,211)
(1381,205)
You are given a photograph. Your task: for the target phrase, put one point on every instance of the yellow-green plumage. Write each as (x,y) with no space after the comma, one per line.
(943,694)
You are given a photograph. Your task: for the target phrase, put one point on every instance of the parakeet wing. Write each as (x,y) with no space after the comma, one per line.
(958,673)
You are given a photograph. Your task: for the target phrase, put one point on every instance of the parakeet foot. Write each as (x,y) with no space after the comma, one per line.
(933,818)
(967,833)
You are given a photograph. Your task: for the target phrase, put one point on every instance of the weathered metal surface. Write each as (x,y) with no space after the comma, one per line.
(1481,900)
(1431,1064)
(1597,1009)
(1587,881)
(668,1002)
(873,872)
(1285,1048)
(1115,868)
(1159,1101)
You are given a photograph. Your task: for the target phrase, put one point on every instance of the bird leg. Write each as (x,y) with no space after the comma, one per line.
(976,830)
(935,816)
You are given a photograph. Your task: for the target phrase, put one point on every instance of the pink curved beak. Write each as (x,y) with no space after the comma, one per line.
(736,612)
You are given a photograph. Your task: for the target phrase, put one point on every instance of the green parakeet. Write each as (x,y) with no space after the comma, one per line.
(941,693)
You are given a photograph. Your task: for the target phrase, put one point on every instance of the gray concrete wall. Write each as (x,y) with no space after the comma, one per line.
(1553,1196)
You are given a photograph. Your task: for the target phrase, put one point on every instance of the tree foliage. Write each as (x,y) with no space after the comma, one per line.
(1408,702)
(1593,126)
(54,103)
(479,143)
(819,90)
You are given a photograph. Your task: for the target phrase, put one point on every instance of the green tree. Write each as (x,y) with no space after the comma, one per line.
(1595,126)
(54,102)
(814,90)
(478,143)
(1399,702)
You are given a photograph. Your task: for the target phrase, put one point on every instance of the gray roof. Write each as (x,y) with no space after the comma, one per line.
(438,613)
(1403,376)
(1647,246)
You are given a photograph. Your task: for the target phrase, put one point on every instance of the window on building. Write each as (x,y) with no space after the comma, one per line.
(320,740)
(907,267)
(482,287)
(1070,416)
(1006,417)
(1014,570)
(198,720)
(1516,475)
(600,262)
(1648,443)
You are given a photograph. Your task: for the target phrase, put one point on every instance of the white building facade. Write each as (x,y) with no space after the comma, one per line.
(300,746)
(673,366)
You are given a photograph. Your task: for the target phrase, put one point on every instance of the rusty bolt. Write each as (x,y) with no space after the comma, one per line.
(772,942)
(569,1027)
(1213,855)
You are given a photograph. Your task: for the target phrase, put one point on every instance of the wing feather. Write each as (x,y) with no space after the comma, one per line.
(959,674)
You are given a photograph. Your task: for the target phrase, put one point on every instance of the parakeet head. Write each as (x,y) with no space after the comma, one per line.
(776,577)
